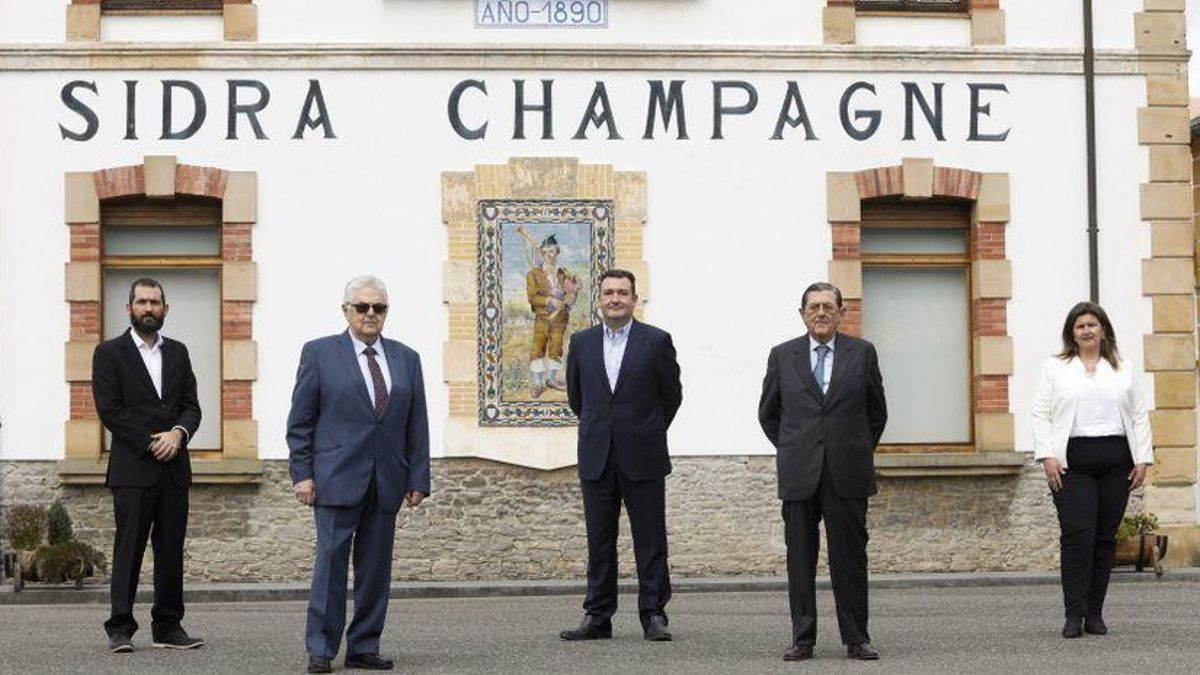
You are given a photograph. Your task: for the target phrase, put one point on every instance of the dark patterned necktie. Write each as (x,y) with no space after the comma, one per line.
(381,392)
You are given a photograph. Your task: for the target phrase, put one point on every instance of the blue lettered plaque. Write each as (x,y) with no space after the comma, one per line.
(541,13)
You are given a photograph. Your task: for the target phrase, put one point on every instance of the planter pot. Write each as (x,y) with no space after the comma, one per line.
(1142,551)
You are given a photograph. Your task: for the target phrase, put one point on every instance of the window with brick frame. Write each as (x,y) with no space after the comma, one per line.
(917,310)
(178,242)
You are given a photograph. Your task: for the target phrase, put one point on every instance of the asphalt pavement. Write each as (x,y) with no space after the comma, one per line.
(1010,629)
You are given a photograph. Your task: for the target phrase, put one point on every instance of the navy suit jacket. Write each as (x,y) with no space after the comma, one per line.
(631,420)
(333,437)
(809,428)
(131,409)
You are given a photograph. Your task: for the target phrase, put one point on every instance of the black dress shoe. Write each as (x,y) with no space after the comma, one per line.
(369,662)
(120,644)
(592,628)
(655,629)
(319,664)
(1095,625)
(798,652)
(178,639)
(1073,628)
(862,651)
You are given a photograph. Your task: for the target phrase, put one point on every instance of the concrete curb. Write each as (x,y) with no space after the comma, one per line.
(269,592)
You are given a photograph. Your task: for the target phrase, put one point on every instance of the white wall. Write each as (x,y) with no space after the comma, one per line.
(1029,23)
(736,228)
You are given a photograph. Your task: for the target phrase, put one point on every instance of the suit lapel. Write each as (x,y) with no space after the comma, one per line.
(168,368)
(842,354)
(632,344)
(395,369)
(804,366)
(350,361)
(594,344)
(139,366)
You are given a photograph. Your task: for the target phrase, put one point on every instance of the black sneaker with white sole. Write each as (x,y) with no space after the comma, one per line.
(120,644)
(178,639)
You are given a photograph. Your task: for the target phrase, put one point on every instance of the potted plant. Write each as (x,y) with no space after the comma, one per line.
(25,525)
(65,558)
(1139,544)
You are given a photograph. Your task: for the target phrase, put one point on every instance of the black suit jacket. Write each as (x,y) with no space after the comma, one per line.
(131,409)
(809,428)
(631,420)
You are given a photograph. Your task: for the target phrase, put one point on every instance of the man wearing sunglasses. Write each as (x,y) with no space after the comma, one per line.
(358,437)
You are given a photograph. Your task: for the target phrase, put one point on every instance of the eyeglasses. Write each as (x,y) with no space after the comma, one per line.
(362,307)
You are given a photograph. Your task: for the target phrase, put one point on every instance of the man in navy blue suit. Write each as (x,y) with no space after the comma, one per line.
(623,384)
(358,436)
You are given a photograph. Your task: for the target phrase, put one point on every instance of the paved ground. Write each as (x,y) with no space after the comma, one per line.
(1155,629)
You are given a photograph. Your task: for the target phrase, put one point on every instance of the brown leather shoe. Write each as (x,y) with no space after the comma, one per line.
(862,652)
(798,652)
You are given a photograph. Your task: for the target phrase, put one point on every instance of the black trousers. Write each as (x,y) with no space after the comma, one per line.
(645,503)
(158,513)
(846,535)
(1090,506)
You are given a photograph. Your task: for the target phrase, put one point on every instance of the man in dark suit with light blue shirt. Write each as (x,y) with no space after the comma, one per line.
(623,384)
(823,409)
(358,435)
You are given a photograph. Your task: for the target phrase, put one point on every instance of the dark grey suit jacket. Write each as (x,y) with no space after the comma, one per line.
(809,428)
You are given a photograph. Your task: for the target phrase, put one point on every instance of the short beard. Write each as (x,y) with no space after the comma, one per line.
(148,323)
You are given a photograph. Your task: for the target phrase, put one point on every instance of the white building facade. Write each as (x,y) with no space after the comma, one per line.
(930,158)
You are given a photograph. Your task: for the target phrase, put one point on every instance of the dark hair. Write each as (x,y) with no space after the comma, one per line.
(615,273)
(1108,343)
(147,282)
(817,288)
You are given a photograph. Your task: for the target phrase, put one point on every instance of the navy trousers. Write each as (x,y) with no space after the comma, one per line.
(367,532)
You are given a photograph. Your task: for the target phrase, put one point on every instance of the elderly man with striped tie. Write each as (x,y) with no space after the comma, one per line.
(358,437)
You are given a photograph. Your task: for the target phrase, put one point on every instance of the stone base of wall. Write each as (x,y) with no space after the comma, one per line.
(487,520)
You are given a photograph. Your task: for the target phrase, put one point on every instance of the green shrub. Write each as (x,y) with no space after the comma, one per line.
(58,524)
(1131,526)
(25,526)
(68,561)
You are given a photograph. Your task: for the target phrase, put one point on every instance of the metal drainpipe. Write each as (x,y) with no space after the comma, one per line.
(1089,95)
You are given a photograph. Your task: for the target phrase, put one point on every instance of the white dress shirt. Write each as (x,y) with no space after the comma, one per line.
(812,355)
(1060,391)
(1097,412)
(380,358)
(614,352)
(152,356)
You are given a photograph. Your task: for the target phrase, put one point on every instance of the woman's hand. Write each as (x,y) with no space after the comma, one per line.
(1054,473)
(1137,476)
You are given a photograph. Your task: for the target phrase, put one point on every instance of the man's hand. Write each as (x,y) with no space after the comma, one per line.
(1137,476)
(413,497)
(306,492)
(1054,473)
(165,444)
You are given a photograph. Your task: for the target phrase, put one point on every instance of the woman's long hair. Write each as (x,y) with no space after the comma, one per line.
(1108,343)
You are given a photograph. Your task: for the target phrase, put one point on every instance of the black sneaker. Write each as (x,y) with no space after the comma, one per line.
(178,639)
(120,644)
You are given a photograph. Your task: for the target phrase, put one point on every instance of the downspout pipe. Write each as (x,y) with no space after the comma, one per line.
(1089,96)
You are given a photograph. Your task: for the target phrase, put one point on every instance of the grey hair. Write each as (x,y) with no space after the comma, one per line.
(364,281)
(817,288)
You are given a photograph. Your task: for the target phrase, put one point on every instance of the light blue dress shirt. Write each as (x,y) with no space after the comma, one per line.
(614,352)
(812,355)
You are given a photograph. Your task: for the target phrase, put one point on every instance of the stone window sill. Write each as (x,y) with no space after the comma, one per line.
(204,471)
(928,465)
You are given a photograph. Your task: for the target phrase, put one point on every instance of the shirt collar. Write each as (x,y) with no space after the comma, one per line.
(137,340)
(620,332)
(813,344)
(360,346)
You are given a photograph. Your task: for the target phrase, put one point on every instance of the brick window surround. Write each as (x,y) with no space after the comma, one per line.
(239,17)
(991,287)
(987,21)
(160,177)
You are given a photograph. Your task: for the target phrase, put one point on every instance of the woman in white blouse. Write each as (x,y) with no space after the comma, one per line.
(1091,434)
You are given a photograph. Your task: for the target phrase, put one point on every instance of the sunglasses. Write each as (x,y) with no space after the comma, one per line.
(362,307)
